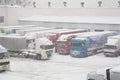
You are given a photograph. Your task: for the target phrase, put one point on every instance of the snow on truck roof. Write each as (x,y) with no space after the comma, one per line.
(44,41)
(12,36)
(48,31)
(35,28)
(17,26)
(87,34)
(115,37)
(74,19)
(65,36)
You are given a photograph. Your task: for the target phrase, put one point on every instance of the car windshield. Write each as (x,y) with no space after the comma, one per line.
(77,44)
(62,42)
(110,47)
(47,46)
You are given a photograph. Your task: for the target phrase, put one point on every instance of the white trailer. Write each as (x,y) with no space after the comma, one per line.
(112,47)
(12,29)
(105,74)
(34,29)
(4,59)
(13,43)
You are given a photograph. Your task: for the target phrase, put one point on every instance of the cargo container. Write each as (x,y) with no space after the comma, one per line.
(105,74)
(34,29)
(4,59)
(12,29)
(89,43)
(13,43)
(112,47)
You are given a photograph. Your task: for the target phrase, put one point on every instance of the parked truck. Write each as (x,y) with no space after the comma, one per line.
(17,45)
(43,49)
(89,43)
(4,59)
(112,47)
(105,74)
(55,35)
(64,42)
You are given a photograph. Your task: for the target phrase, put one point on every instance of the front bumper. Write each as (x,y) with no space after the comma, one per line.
(4,66)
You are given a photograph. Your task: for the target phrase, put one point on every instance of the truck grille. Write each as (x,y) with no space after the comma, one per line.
(61,51)
(4,63)
(49,53)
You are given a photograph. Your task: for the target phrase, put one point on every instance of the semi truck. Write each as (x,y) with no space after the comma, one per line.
(19,46)
(63,43)
(55,35)
(112,47)
(4,59)
(43,49)
(89,43)
(105,74)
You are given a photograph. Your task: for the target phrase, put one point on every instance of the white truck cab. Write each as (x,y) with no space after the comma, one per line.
(44,48)
(112,47)
(4,59)
(41,48)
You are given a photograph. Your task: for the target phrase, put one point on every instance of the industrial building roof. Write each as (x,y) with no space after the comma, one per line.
(75,19)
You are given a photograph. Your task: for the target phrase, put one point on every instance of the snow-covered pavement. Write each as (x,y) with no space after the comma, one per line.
(59,67)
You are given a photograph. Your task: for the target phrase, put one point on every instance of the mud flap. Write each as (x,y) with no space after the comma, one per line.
(108,74)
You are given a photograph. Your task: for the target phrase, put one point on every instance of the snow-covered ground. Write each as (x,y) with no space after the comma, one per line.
(59,67)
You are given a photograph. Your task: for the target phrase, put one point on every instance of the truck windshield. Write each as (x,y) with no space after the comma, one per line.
(110,47)
(47,46)
(62,42)
(3,55)
(77,44)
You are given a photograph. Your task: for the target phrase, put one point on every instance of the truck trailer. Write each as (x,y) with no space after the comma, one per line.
(4,59)
(13,43)
(13,29)
(19,46)
(89,43)
(112,47)
(34,29)
(105,74)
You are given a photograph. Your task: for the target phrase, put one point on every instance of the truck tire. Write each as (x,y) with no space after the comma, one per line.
(38,57)
(116,54)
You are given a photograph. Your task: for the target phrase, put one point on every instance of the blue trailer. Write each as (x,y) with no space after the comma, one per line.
(89,43)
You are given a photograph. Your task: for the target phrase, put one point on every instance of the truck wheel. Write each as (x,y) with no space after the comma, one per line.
(116,54)
(38,57)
